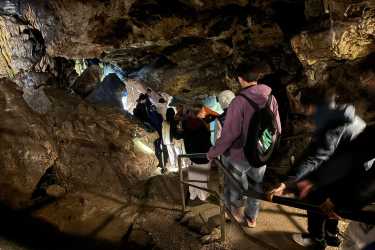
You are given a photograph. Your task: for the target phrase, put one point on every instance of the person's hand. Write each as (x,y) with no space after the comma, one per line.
(304,188)
(208,157)
(328,208)
(278,191)
(205,112)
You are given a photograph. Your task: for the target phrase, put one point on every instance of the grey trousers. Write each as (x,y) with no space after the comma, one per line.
(232,196)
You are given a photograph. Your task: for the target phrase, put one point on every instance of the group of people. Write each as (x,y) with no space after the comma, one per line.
(336,170)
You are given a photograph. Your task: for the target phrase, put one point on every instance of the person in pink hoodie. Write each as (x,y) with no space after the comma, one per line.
(233,138)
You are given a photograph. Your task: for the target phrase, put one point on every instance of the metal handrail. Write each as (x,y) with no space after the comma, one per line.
(362,216)
(213,192)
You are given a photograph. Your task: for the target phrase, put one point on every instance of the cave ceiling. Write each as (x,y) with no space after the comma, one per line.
(189,47)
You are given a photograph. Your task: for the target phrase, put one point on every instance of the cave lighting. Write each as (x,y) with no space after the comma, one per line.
(142,147)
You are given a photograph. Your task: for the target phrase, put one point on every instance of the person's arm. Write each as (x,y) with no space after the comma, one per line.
(321,149)
(232,129)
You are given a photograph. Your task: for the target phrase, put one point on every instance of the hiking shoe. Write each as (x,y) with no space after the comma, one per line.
(307,240)
(333,240)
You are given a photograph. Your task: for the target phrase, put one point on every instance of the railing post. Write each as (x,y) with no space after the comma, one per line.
(222,209)
(182,190)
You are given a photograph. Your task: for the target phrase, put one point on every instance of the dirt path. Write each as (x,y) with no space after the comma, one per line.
(150,220)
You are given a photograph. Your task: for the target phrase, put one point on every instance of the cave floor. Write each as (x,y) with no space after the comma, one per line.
(103,223)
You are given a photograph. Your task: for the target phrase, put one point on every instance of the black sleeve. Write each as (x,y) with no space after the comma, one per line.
(321,149)
(361,192)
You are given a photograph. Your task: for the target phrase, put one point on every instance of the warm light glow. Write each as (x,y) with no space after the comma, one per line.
(142,147)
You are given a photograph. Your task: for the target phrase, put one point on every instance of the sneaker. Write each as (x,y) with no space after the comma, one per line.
(332,240)
(306,240)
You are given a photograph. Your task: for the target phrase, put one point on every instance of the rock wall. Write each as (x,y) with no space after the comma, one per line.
(91,148)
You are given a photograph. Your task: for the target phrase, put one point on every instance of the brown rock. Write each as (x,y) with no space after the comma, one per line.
(92,148)
(55,191)
(141,239)
(21,46)
(348,38)
(88,81)
(214,236)
(27,149)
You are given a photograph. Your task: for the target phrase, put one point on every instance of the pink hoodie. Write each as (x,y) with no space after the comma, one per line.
(237,122)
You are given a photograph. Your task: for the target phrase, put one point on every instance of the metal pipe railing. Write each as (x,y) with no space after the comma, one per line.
(213,192)
(363,216)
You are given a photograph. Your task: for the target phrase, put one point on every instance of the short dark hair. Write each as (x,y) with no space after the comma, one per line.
(252,72)
(142,96)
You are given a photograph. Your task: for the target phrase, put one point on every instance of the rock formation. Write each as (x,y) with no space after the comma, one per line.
(90,147)
(185,48)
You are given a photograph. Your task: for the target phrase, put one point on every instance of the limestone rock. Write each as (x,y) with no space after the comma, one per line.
(91,148)
(109,92)
(140,239)
(55,191)
(27,149)
(87,214)
(33,84)
(37,100)
(214,236)
(99,147)
(88,81)
(209,4)
(21,45)
(349,37)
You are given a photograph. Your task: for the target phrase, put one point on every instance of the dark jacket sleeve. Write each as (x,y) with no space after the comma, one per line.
(337,167)
(322,148)
(361,193)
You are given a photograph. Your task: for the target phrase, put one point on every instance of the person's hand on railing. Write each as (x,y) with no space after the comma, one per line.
(304,187)
(278,191)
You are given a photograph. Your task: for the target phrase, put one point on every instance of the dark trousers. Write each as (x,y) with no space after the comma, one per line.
(161,152)
(318,224)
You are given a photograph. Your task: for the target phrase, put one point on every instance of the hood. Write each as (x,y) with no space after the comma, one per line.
(258,93)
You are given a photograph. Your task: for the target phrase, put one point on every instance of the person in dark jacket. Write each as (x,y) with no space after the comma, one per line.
(348,176)
(140,110)
(197,139)
(336,127)
(196,136)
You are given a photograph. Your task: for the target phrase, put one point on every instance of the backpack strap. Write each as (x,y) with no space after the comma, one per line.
(269,102)
(251,102)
